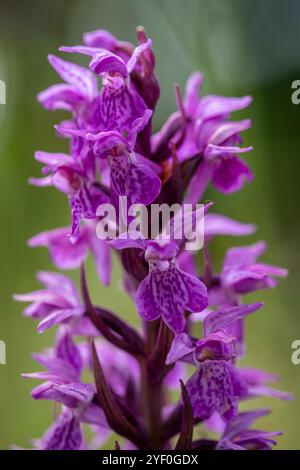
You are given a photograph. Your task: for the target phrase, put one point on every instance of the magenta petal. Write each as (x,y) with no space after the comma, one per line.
(243,421)
(100,38)
(106,61)
(212,106)
(60,96)
(84,206)
(75,75)
(192,91)
(102,254)
(59,316)
(41,182)
(227,130)
(224,317)
(130,179)
(64,434)
(216,224)
(82,393)
(93,414)
(168,294)
(64,254)
(216,386)
(130,239)
(243,255)
(181,347)
(85,50)
(68,351)
(230,174)
(59,284)
(51,391)
(266,391)
(212,151)
(136,55)
(226,444)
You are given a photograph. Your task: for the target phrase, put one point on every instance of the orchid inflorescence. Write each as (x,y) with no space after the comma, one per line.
(136,373)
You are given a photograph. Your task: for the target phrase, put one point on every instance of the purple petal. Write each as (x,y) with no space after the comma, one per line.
(60,96)
(199,183)
(230,174)
(130,179)
(212,106)
(106,61)
(216,224)
(102,254)
(75,75)
(257,376)
(213,151)
(226,444)
(60,284)
(136,55)
(41,182)
(63,253)
(216,386)
(181,346)
(93,414)
(81,393)
(192,91)
(224,317)
(51,391)
(61,369)
(64,434)
(218,345)
(130,239)
(41,296)
(84,206)
(120,106)
(266,391)
(100,38)
(53,160)
(68,351)
(243,255)
(168,294)
(228,129)
(59,316)
(85,50)
(243,421)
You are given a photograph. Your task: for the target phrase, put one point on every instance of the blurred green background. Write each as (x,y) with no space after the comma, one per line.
(243,47)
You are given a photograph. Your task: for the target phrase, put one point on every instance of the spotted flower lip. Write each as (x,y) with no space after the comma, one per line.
(216,386)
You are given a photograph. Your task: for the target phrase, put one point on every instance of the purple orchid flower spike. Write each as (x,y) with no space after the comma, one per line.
(67,255)
(116,168)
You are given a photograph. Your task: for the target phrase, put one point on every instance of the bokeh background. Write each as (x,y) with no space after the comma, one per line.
(243,47)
